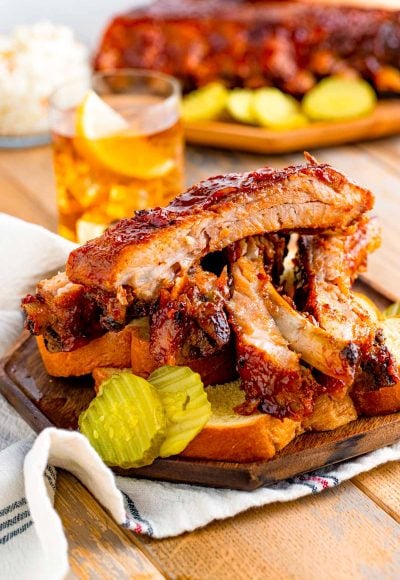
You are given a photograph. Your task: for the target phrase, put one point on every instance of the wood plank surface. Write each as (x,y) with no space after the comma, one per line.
(349,532)
(339,534)
(98,547)
(382,486)
(29,172)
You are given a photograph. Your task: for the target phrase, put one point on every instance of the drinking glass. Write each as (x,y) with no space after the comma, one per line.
(117,148)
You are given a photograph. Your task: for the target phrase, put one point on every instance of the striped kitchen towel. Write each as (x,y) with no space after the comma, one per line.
(32,541)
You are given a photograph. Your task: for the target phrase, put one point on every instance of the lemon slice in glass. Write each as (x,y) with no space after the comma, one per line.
(107,138)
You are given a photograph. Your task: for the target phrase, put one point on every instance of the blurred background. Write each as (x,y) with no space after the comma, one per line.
(86,17)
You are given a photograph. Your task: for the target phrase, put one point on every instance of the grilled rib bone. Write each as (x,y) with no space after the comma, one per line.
(333,356)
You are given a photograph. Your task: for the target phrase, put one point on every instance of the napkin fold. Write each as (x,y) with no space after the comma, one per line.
(32,541)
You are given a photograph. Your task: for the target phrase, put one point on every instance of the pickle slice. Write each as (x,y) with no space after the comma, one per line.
(240,106)
(392,311)
(336,98)
(275,110)
(186,406)
(205,104)
(126,422)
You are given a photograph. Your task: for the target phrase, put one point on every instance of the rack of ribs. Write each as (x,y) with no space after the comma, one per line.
(253,44)
(118,276)
(209,273)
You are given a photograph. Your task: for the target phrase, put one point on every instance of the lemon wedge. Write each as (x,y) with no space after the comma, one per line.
(95,119)
(107,138)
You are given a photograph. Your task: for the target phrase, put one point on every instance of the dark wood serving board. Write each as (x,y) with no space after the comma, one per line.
(45,401)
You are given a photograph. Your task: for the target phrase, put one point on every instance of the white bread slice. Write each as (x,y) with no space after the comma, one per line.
(228,436)
(111,349)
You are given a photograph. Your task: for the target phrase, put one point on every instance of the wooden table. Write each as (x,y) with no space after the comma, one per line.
(349,532)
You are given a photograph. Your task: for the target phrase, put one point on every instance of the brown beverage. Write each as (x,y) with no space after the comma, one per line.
(115,153)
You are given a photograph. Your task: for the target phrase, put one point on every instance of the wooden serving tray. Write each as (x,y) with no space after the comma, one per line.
(45,401)
(384,121)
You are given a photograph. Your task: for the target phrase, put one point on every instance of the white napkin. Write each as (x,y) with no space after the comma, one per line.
(32,542)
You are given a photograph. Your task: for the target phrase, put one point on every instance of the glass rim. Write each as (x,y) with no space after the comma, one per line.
(134,72)
(140,72)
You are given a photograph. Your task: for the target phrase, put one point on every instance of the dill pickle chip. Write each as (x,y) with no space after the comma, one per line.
(335,98)
(126,422)
(392,311)
(240,106)
(205,104)
(186,406)
(275,110)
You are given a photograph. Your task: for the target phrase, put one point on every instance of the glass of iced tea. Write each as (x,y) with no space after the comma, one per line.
(118,148)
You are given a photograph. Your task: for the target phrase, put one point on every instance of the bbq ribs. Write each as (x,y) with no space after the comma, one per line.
(286,44)
(210,271)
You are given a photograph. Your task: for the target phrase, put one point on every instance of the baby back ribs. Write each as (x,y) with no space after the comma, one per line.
(285,44)
(116,277)
(148,251)
(189,319)
(328,266)
(271,374)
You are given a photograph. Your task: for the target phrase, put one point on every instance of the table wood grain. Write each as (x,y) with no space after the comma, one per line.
(349,532)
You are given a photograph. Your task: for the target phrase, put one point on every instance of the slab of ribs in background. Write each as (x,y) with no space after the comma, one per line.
(254,44)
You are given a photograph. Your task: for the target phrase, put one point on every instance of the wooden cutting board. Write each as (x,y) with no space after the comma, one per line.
(384,121)
(45,401)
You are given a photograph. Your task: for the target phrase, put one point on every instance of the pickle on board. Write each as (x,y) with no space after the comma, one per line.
(240,106)
(392,311)
(275,110)
(335,98)
(205,104)
(126,422)
(186,406)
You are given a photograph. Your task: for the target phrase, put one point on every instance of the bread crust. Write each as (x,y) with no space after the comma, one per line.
(256,440)
(101,374)
(330,413)
(263,436)
(380,402)
(112,349)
